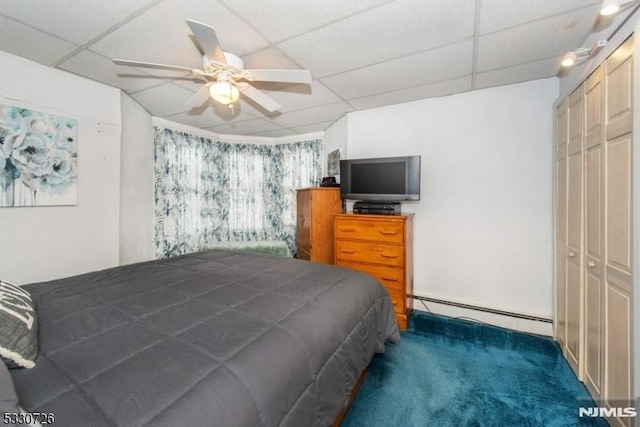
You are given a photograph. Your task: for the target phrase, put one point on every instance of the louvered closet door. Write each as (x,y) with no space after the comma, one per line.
(618,214)
(574,223)
(561,225)
(593,244)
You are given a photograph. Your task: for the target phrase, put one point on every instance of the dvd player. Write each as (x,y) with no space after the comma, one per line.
(378,208)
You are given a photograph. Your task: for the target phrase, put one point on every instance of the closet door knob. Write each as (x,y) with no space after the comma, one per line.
(571,254)
(591,264)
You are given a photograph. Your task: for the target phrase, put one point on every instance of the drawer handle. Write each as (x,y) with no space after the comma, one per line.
(389,279)
(571,254)
(394,302)
(348,230)
(388,233)
(591,264)
(383,255)
(347,251)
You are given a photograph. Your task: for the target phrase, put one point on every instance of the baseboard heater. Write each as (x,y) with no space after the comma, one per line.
(484,309)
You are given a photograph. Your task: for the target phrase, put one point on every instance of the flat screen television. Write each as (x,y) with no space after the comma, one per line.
(386,179)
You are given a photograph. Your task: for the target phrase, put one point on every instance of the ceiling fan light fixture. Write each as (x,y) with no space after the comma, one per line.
(224,92)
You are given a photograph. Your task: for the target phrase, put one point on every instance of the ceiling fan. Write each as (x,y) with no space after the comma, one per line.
(225,73)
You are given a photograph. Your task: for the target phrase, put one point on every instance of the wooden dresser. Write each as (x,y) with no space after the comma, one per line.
(316,207)
(381,245)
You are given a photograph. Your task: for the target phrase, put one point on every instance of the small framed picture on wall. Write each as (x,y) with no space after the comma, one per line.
(333,163)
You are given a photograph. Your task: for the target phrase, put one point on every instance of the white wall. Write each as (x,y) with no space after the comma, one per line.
(136,184)
(483,233)
(336,138)
(41,243)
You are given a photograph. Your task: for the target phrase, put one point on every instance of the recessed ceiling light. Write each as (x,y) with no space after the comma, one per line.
(609,7)
(569,59)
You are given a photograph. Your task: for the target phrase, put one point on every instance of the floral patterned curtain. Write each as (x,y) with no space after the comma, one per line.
(208,191)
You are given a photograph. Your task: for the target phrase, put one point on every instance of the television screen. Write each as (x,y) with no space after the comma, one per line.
(384,179)
(380,178)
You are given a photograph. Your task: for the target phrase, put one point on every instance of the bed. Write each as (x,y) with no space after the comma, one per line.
(215,338)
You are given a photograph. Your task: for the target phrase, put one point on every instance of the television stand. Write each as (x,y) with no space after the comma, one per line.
(376,207)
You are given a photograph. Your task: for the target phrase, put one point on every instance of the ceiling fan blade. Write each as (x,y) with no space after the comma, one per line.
(285,76)
(199,97)
(207,40)
(152,65)
(259,97)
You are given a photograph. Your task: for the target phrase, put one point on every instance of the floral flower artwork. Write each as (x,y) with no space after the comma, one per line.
(38,158)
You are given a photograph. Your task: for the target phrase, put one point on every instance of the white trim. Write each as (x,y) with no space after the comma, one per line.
(246,139)
(302,137)
(502,321)
(16,358)
(164,123)
(240,139)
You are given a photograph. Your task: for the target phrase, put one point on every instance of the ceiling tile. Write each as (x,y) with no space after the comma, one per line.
(448,87)
(269,57)
(277,133)
(376,36)
(415,70)
(298,97)
(498,15)
(162,35)
(48,16)
(24,41)
(249,127)
(209,115)
(282,19)
(163,100)
(534,41)
(519,73)
(319,114)
(316,127)
(152,37)
(131,80)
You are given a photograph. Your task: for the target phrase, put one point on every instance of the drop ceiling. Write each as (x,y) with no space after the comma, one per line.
(361,53)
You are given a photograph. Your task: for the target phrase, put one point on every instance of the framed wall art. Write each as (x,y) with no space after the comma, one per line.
(38,158)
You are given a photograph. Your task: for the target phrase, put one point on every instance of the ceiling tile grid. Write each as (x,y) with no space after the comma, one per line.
(31,43)
(278,20)
(375,35)
(536,40)
(434,65)
(47,16)
(361,54)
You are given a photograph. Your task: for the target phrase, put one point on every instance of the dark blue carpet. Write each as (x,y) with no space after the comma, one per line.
(450,372)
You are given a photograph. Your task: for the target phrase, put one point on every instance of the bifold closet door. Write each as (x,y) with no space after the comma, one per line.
(618,220)
(575,113)
(593,234)
(561,225)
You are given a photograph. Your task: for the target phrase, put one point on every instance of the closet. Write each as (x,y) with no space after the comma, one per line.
(593,233)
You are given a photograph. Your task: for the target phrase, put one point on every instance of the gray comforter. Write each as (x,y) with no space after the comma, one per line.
(209,339)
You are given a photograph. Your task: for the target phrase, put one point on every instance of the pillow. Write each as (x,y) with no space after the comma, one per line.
(18,327)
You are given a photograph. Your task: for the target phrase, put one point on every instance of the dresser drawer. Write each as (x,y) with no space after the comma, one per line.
(379,231)
(377,253)
(397,300)
(391,278)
